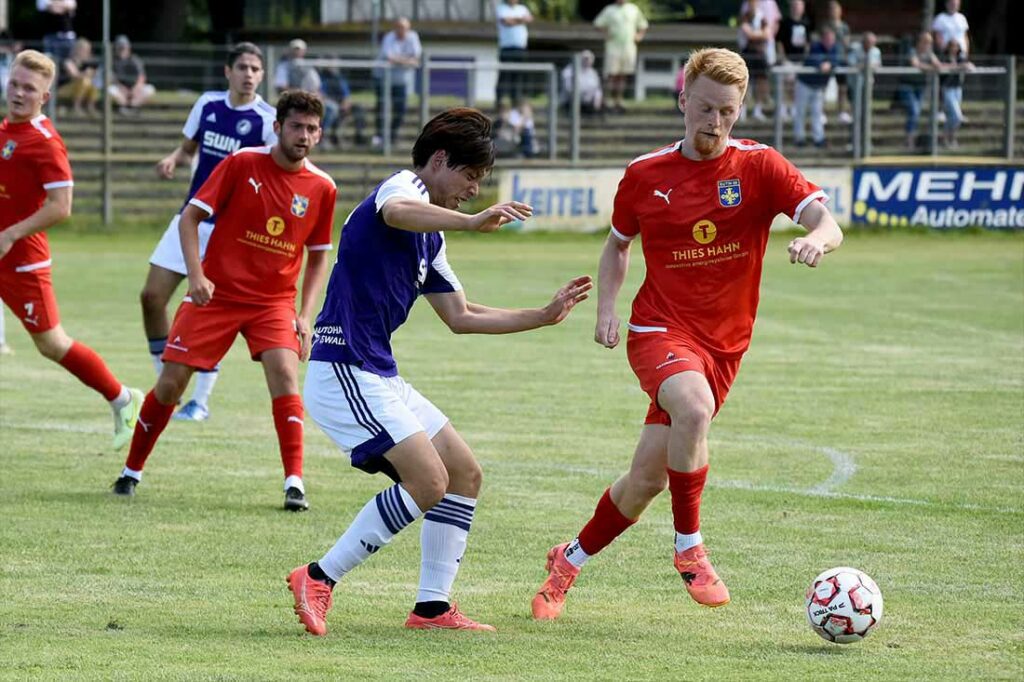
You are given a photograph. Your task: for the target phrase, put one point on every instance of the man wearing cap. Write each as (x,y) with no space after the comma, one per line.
(283,73)
(128,88)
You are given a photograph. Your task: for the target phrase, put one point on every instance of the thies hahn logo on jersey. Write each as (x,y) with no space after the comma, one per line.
(8,149)
(300,205)
(729,193)
(244,127)
(275,226)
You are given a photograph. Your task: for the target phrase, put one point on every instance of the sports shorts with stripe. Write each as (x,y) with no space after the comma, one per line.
(366,414)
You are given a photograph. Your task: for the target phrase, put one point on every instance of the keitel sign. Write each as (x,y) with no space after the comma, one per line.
(943,197)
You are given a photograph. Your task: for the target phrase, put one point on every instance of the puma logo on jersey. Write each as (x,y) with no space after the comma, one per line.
(255,185)
(663,195)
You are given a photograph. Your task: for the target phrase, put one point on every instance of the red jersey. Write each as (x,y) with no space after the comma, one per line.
(33,160)
(705,228)
(265,215)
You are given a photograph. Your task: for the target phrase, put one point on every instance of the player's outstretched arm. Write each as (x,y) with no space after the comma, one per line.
(312,283)
(417,216)
(55,208)
(180,156)
(200,289)
(611,274)
(823,235)
(464,317)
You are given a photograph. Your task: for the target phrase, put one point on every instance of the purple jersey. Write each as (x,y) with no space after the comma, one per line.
(220,130)
(379,274)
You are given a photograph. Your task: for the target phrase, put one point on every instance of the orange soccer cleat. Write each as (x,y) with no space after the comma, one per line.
(550,598)
(312,600)
(452,619)
(702,582)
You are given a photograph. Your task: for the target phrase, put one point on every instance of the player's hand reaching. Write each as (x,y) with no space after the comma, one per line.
(491,219)
(606,332)
(165,167)
(200,289)
(806,250)
(305,331)
(567,297)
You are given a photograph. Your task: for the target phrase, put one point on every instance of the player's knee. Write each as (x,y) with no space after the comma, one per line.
(153,300)
(468,480)
(693,414)
(170,387)
(428,487)
(52,346)
(647,486)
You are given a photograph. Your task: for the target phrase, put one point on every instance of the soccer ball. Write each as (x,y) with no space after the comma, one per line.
(844,605)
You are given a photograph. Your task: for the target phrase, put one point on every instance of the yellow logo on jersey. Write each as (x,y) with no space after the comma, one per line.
(300,205)
(275,226)
(8,149)
(704,231)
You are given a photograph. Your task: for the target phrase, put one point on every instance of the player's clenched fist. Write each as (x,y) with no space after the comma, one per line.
(807,251)
(490,219)
(165,167)
(606,332)
(200,289)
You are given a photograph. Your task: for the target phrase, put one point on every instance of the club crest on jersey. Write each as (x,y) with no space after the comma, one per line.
(729,193)
(300,205)
(243,127)
(8,149)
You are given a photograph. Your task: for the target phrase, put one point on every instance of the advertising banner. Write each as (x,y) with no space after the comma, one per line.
(943,197)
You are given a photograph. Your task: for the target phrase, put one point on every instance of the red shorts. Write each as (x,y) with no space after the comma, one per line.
(30,297)
(655,356)
(201,336)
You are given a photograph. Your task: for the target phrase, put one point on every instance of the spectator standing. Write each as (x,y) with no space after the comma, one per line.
(591,95)
(792,43)
(9,48)
(401,49)
(128,89)
(911,91)
(58,27)
(842,31)
(513,37)
(624,26)
(863,54)
(283,78)
(955,64)
(951,25)
(76,81)
(810,88)
(754,37)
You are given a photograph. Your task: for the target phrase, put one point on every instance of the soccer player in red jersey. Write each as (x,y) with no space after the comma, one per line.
(704,207)
(35,194)
(269,203)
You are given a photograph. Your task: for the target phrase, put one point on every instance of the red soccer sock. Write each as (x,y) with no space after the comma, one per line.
(288,422)
(686,488)
(88,366)
(605,525)
(153,418)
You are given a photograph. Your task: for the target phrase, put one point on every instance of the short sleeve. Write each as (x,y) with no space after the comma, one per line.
(441,278)
(602,18)
(641,20)
(52,166)
(322,236)
(269,136)
(216,191)
(191,129)
(625,225)
(402,185)
(787,190)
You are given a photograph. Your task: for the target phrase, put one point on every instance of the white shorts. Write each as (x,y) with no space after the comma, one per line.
(167,253)
(619,60)
(365,414)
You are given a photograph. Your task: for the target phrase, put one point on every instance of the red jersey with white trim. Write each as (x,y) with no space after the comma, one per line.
(33,160)
(704,228)
(265,215)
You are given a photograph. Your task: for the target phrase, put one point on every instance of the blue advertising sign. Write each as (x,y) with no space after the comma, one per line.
(943,197)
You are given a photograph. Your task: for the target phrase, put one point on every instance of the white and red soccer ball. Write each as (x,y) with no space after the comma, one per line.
(844,605)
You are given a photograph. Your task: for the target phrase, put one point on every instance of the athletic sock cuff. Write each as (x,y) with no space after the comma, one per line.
(156,346)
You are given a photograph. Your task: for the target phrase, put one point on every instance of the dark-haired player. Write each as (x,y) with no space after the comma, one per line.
(220,123)
(270,202)
(392,250)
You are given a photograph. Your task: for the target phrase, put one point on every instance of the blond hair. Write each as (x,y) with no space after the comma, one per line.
(36,61)
(720,65)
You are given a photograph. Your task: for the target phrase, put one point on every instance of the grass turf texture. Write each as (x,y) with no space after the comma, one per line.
(877,422)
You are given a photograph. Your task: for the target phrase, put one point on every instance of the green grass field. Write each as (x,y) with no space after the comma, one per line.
(878,422)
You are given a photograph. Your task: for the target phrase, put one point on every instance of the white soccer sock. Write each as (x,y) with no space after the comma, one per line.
(204,385)
(685,541)
(132,473)
(575,555)
(442,544)
(156,349)
(380,519)
(294,482)
(122,399)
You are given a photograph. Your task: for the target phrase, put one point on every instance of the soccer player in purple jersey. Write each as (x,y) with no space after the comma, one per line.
(221,122)
(392,250)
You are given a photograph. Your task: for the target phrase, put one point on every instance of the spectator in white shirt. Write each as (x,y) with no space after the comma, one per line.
(401,49)
(591,94)
(951,25)
(513,36)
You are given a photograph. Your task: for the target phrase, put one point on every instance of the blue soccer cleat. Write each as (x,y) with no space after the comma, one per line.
(192,412)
